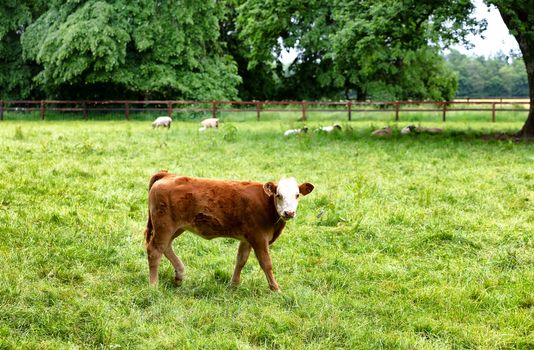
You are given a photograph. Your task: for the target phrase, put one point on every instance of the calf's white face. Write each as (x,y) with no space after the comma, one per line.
(286,195)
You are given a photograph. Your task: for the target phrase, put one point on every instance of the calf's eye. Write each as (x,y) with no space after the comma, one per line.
(297,196)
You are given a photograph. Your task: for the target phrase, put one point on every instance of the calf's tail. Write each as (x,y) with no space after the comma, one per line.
(149,229)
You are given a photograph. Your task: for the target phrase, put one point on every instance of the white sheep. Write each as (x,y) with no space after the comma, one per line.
(429,130)
(330,128)
(162,121)
(295,131)
(408,129)
(420,129)
(387,131)
(209,123)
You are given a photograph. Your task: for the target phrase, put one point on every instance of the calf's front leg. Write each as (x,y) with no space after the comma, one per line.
(262,253)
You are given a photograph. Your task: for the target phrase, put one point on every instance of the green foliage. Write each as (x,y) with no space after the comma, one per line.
(164,49)
(425,242)
(360,49)
(19,135)
(229,132)
(489,77)
(15,74)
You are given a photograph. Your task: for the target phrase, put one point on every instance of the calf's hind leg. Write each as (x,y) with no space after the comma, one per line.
(158,244)
(154,258)
(242,256)
(179,268)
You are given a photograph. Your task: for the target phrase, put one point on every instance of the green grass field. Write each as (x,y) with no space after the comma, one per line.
(409,242)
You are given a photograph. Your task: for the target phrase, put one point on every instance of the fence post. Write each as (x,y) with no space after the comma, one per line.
(42,110)
(169,109)
(303,118)
(493,112)
(397,108)
(1,109)
(84,106)
(127,110)
(214,109)
(349,105)
(444,111)
(257,110)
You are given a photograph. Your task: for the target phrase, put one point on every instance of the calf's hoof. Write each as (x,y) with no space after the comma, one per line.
(275,289)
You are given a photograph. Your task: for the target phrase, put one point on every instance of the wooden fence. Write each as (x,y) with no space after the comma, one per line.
(215,108)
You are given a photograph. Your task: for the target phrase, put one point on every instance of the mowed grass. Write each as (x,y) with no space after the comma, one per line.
(409,242)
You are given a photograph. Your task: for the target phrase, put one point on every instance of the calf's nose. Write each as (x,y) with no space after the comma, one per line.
(289,214)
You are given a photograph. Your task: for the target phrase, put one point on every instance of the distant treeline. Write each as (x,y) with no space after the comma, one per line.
(497,76)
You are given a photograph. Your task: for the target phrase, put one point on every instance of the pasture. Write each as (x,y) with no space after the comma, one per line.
(407,242)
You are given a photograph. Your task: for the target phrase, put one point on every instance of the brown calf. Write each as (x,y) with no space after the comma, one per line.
(252,212)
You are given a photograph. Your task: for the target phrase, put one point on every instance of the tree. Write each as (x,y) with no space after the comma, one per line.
(500,75)
(15,74)
(519,18)
(362,48)
(259,81)
(146,49)
(267,28)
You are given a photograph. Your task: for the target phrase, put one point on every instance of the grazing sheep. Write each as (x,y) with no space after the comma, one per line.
(387,131)
(429,130)
(296,131)
(420,129)
(162,121)
(408,129)
(209,123)
(330,128)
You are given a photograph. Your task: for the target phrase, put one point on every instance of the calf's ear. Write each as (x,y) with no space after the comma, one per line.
(269,188)
(306,188)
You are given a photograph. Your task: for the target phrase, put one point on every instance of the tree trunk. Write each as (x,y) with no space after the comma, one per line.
(516,17)
(361,95)
(527,131)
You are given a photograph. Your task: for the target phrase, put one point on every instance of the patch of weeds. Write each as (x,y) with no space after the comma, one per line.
(229,133)
(221,276)
(331,215)
(19,135)
(304,141)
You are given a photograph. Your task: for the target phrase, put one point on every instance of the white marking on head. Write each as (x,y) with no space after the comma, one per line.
(286,198)
(286,195)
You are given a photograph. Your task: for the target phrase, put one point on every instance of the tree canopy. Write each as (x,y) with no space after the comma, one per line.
(146,49)
(15,73)
(378,49)
(227,49)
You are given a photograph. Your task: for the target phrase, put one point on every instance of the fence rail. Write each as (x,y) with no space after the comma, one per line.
(215,108)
